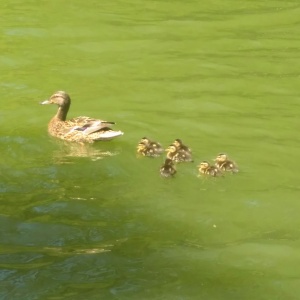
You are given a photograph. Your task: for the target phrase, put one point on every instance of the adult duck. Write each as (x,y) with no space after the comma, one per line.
(81,129)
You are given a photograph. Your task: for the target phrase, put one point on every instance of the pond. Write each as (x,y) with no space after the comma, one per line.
(96,221)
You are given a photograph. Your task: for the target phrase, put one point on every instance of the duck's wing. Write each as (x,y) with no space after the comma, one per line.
(87,129)
(87,125)
(77,135)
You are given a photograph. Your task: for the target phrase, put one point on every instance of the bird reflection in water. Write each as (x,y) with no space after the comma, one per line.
(67,151)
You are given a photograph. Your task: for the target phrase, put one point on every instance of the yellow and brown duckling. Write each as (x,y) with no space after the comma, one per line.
(180,146)
(168,169)
(178,155)
(206,168)
(81,129)
(146,147)
(224,164)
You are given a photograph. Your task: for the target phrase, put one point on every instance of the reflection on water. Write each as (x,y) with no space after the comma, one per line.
(77,251)
(68,150)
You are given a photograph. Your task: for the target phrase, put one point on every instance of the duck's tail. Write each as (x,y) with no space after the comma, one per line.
(106,135)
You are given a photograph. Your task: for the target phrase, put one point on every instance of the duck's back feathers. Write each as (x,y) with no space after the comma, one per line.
(87,125)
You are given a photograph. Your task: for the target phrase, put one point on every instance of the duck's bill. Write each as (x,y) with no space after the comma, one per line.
(45,102)
(108,135)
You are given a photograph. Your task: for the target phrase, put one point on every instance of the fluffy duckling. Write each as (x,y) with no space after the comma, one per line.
(146,147)
(224,164)
(178,155)
(207,169)
(151,143)
(147,150)
(167,169)
(180,146)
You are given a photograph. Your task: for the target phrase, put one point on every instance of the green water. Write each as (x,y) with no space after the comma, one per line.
(96,222)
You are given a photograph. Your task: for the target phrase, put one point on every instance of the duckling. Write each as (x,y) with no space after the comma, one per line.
(151,143)
(178,155)
(180,146)
(149,148)
(207,169)
(224,164)
(168,169)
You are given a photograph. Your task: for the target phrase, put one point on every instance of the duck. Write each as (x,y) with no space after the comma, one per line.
(80,129)
(147,147)
(206,168)
(178,155)
(223,163)
(168,169)
(180,146)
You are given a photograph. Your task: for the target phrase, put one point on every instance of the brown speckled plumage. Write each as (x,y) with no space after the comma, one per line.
(81,129)
(147,147)
(206,169)
(223,163)
(178,155)
(167,169)
(181,147)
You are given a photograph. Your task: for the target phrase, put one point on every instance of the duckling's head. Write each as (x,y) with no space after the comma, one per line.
(204,165)
(178,143)
(145,141)
(171,149)
(221,157)
(61,98)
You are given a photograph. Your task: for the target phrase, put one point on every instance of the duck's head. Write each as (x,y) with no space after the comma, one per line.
(221,157)
(171,149)
(204,165)
(61,98)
